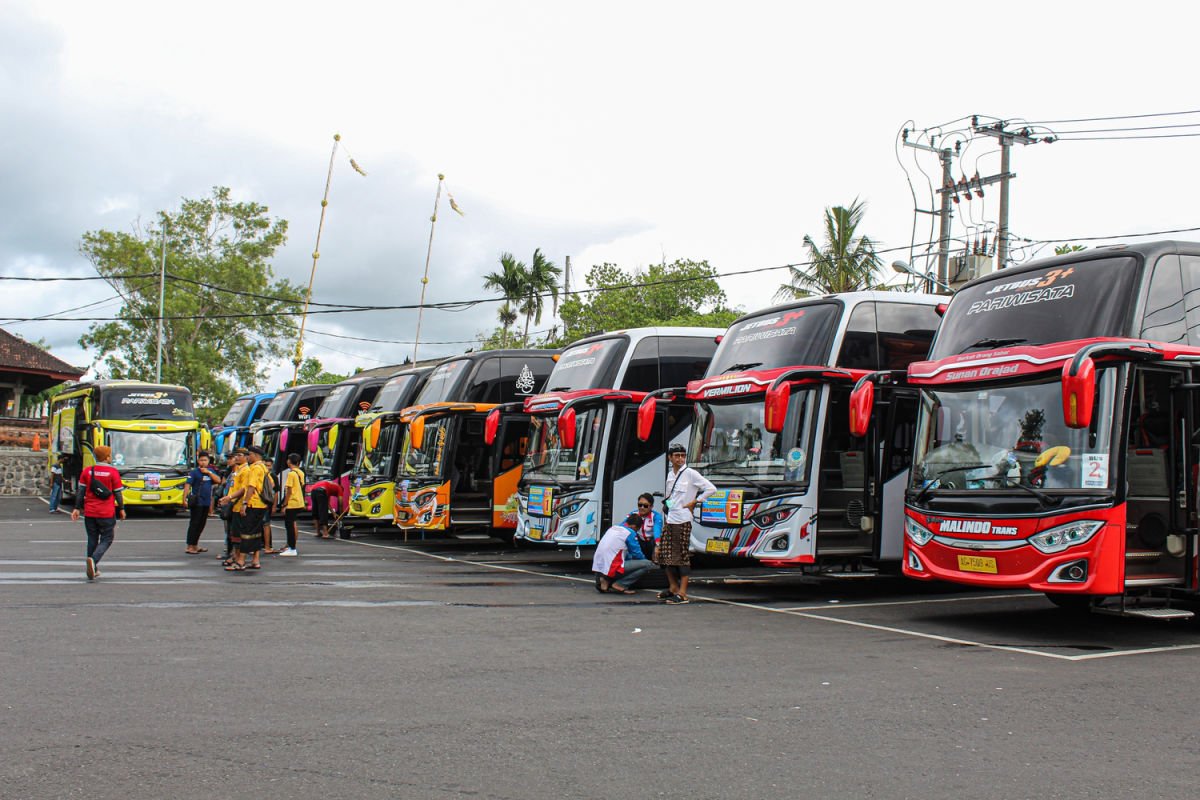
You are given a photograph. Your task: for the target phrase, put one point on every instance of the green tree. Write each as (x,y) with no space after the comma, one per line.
(1063,249)
(844,262)
(312,371)
(215,248)
(681,293)
(541,278)
(510,283)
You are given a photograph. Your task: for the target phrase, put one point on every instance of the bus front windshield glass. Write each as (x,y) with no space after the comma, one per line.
(394,392)
(318,464)
(278,407)
(429,460)
(1060,304)
(237,411)
(547,460)
(378,461)
(787,338)
(730,441)
(445,382)
(149,403)
(146,450)
(999,439)
(588,366)
(333,406)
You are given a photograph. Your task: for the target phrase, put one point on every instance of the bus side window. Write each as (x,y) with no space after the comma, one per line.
(642,373)
(905,333)
(637,453)
(684,359)
(860,349)
(1162,318)
(487,383)
(1190,266)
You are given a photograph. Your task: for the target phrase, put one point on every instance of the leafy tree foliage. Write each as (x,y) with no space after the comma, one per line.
(215,248)
(524,288)
(1063,249)
(510,283)
(680,293)
(313,371)
(844,262)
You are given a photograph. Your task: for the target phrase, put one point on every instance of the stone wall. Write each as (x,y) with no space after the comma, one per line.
(23,473)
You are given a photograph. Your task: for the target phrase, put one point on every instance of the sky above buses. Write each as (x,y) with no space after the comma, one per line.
(618,132)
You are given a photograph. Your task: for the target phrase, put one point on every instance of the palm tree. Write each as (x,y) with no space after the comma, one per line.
(541,278)
(845,262)
(509,282)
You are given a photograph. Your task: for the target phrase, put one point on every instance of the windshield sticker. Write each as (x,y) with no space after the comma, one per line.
(525,381)
(541,500)
(1095,470)
(794,459)
(1038,289)
(723,507)
(147,399)
(583,356)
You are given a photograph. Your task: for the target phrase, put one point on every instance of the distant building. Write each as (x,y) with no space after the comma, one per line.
(28,369)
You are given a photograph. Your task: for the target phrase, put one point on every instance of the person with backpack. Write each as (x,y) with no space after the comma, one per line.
(99,494)
(292,502)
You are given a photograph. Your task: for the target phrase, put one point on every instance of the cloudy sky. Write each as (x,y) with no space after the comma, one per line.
(619,132)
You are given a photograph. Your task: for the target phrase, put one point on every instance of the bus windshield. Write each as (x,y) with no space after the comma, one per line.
(992,439)
(1078,301)
(446,381)
(731,442)
(278,407)
(378,461)
(547,460)
(237,411)
(588,366)
(332,407)
(148,403)
(318,464)
(429,460)
(789,337)
(147,450)
(393,392)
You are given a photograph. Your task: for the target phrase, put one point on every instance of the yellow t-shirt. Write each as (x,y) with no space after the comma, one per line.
(257,474)
(239,481)
(295,482)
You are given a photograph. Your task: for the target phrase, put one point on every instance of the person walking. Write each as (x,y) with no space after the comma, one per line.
(685,488)
(56,482)
(99,494)
(198,498)
(292,501)
(619,554)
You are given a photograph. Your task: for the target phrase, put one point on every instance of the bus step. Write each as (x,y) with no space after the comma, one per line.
(1159,613)
(1141,581)
(470,536)
(1139,555)
(843,551)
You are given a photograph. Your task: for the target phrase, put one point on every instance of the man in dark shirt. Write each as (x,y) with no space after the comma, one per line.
(198,497)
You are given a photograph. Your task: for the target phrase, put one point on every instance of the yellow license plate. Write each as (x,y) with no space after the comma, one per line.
(717,546)
(535,533)
(977,564)
(151,496)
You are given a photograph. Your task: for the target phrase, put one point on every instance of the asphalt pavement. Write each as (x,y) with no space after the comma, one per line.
(447,668)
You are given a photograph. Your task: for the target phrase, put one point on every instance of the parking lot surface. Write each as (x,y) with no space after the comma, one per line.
(376,667)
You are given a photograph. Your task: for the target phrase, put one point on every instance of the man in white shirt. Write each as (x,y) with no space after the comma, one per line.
(685,488)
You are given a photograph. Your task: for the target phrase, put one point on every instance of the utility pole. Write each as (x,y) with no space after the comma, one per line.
(162,285)
(946,155)
(566,286)
(1006,139)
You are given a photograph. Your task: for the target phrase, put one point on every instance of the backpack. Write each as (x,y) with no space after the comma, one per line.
(267,495)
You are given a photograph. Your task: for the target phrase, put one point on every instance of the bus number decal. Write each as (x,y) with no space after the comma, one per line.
(1095,470)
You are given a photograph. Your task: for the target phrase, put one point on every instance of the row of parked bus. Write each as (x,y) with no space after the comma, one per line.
(1037,430)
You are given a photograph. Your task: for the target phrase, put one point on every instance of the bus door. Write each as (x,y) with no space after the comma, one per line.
(633,466)
(508,454)
(1160,453)
(471,474)
(842,493)
(894,443)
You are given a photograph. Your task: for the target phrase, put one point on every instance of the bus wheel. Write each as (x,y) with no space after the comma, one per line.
(170,511)
(1074,603)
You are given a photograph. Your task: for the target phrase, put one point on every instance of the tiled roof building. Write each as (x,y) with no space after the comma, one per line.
(28,369)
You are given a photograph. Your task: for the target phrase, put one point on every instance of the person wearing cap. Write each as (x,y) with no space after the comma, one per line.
(99,515)
(685,488)
(619,554)
(247,511)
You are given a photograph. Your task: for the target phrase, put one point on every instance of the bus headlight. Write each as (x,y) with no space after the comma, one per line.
(568,510)
(1060,538)
(918,534)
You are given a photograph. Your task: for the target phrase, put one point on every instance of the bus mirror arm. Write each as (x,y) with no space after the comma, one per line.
(1079,376)
(492,424)
(775,403)
(646,409)
(862,398)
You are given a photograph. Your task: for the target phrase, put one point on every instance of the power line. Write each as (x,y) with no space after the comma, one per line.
(1106,119)
(1120,138)
(74,278)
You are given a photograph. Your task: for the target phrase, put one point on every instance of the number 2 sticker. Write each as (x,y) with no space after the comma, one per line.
(1095,470)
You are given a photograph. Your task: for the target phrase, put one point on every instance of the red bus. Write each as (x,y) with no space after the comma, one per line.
(1057,445)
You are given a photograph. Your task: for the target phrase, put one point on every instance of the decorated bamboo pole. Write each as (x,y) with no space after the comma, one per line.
(428,254)
(299,356)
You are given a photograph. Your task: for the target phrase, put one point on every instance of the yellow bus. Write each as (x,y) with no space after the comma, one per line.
(151,429)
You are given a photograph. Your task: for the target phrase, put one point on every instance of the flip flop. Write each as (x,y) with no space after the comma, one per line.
(614,589)
(235,568)
(254,566)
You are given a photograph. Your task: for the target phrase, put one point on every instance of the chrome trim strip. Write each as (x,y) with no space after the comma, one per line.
(978,544)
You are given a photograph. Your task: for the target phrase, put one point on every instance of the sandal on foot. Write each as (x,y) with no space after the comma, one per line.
(600,584)
(614,589)
(664,594)
(235,568)
(254,566)
(676,600)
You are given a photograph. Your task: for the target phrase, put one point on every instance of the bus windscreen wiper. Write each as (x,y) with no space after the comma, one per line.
(711,464)
(990,343)
(1044,500)
(738,367)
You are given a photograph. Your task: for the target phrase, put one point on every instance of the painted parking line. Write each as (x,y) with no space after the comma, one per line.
(806,614)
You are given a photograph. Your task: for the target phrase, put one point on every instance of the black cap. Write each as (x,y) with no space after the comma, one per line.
(634,521)
(676,448)
(258,451)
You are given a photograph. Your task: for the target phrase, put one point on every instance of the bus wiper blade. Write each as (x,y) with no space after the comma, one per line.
(1044,500)
(933,482)
(711,465)
(738,367)
(990,343)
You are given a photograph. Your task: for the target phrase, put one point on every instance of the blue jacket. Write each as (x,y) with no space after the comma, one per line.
(656,530)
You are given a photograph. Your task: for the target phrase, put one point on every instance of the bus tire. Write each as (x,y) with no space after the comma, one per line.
(1074,603)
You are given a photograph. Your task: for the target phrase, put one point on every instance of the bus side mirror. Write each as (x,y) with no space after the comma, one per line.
(566,428)
(1078,393)
(775,407)
(645,418)
(206,440)
(416,432)
(313,436)
(371,439)
(333,435)
(490,426)
(862,399)
(218,442)
(283,437)
(97,436)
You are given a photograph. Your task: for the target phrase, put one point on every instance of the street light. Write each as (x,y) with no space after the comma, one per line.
(903,268)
